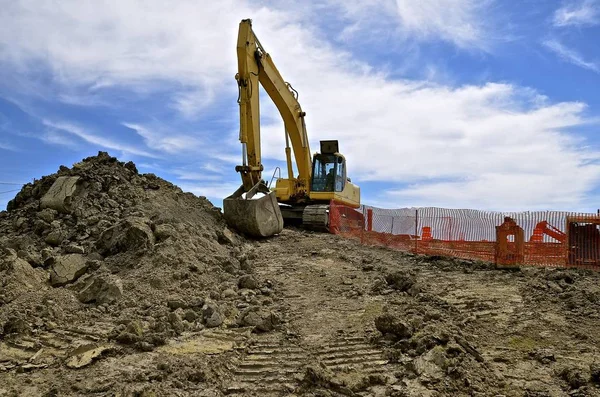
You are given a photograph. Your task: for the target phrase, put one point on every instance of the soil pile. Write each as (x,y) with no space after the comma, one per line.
(101,251)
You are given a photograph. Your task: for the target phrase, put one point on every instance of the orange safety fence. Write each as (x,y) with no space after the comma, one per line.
(540,238)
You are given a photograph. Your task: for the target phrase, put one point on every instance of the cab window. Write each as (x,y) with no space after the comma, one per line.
(328,174)
(339,176)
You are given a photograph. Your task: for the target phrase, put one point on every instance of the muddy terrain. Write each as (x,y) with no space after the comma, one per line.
(115,283)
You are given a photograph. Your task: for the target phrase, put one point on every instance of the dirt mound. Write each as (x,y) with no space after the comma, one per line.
(576,289)
(117,257)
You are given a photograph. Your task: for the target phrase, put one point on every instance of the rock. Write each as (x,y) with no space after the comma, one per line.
(145,346)
(47,253)
(60,194)
(47,215)
(226,237)
(544,356)
(196,376)
(55,238)
(85,355)
(131,167)
(39,227)
(573,376)
(228,293)
(134,327)
(431,365)
(595,372)
(266,291)
(176,322)
(176,303)
(214,320)
(191,315)
(67,269)
(127,338)
(197,303)
(262,320)
(74,249)
(212,315)
(15,325)
(389,324)
(132,234)
(415,289)
(33,257)
(401,281)
(102,289)
(554,287)
(163,231)
(23,275)
(248,281)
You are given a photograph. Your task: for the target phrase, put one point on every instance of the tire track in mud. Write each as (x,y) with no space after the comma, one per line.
(352,353)
(322,320)
(269,368)
(272,368)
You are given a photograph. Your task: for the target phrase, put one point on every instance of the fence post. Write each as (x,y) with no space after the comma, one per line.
(416,230)
(362,228)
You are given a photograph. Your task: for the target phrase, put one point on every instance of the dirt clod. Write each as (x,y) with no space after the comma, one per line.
(248,281)
(389,324)
(102,289)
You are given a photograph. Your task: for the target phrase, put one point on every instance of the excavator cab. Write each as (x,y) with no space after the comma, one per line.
(329,173)
(329,169)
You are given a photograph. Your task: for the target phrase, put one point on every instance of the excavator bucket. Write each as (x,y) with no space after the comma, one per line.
(255,213)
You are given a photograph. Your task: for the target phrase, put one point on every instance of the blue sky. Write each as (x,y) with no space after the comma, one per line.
(455,103)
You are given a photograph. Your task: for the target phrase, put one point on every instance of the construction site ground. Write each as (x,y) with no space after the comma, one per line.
(301,313)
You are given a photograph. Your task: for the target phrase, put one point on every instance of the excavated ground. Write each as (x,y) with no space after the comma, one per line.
(202,311)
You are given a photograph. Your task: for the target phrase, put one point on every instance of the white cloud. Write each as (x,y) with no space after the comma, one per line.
(93,139)
(58,137)
(190,103)
(493,145)
(578,13)
(215,192)
(197,176)
(458,21)
(163,140)
(401,131)
(571,56)
(464,23)
(7,146)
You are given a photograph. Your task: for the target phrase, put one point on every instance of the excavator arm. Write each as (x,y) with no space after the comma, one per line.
(256,66)
(246,210)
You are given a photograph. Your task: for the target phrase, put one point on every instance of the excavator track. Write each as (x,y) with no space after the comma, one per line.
(316,217)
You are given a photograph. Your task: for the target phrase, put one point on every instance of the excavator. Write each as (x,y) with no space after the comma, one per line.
(256,209)
(544,228)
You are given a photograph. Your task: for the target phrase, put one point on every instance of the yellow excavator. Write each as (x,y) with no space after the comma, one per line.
(260,211)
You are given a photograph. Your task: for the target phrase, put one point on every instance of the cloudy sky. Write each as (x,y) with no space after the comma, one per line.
(485,104)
